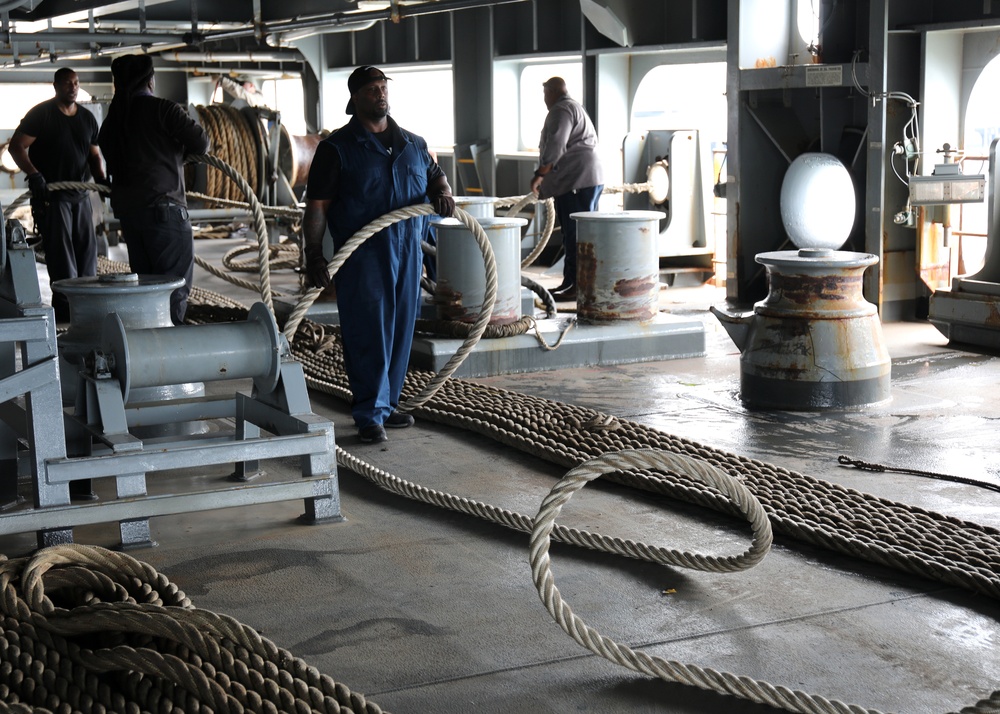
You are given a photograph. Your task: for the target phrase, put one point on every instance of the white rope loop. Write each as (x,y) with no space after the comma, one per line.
(583,634)
(479,326)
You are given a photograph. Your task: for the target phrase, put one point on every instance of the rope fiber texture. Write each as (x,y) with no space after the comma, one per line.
(93,631)
(843,520)
(896,535)
(479,325)
(671,671)
(824,514)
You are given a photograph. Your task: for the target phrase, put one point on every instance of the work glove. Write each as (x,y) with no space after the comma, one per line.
(38,187)
(106,183)
(39,200)
(316,270)
(444,204)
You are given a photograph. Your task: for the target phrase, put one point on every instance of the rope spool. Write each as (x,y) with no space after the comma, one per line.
(236,141)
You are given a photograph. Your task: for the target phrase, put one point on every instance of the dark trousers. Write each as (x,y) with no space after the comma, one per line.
(577,201)
(378,293)
(160,242)
(70,245)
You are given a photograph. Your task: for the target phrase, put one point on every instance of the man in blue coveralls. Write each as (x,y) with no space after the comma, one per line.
(365,169)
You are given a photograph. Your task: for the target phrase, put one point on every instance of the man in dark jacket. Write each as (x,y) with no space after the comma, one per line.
(362,171)
(145,140)
(57,141)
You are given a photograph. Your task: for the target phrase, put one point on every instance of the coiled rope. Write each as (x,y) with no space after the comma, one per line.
(233,142)
(263,288)
(260,228)
(671,671)
(899,536)
(91,630)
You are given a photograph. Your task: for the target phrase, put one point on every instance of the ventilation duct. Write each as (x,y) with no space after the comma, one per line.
(610,18)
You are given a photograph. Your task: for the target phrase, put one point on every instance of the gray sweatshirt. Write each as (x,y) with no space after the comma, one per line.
(569,143)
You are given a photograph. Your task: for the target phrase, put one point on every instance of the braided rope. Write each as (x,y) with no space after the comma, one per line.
(233,143)
(550,224)
(119,617)
(366,232)
(548,302)
(55,186)
(744,502)
(229,277)
(895,535)
(260,226)
(273,249)
(541,427)
(281,211)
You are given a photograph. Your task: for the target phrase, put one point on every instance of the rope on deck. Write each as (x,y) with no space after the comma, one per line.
(94,631)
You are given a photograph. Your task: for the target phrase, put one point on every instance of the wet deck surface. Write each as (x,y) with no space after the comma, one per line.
(426,610)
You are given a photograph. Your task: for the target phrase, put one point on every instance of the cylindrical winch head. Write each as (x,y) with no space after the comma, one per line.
(617,265)
(461,285)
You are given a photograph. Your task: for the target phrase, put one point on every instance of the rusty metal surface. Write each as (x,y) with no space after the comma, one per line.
(461,283)
(295,154)
(617,266)
(814,342)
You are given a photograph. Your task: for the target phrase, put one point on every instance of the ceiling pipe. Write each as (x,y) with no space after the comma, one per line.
(231,56)
(341,18)
(85,38)
(50,59)
(283,38)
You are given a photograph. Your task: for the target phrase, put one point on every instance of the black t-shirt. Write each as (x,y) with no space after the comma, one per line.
(62,143)
(144,145)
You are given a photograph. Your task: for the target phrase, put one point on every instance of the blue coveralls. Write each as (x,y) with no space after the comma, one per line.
(378,287)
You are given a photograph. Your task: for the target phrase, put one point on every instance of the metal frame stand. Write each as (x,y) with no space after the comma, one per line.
(274,421)
(29,368)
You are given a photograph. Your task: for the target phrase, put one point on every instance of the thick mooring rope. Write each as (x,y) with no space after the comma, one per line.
(479,326)
(91,630)
(831,516)
(8,210)
(692,675)
(895,535)
(260,227)
(233,142)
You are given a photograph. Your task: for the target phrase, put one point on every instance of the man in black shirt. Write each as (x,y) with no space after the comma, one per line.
(57,141)
(145,140)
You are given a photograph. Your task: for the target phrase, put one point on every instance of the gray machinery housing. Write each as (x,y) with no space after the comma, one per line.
(54,446)
(677,163)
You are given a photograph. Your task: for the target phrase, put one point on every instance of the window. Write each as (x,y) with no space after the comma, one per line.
(982,126)
(422,101)
(807,21)
(533,109)
(286,96)
(683,96)
(19,98)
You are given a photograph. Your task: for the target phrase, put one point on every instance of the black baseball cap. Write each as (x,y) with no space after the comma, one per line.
(359,78)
